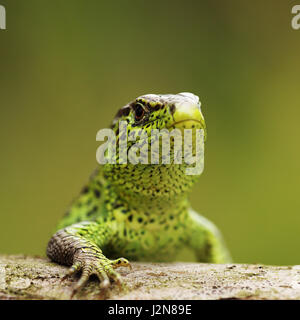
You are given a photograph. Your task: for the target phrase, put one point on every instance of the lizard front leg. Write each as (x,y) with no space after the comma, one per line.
(78,246)
(206,240)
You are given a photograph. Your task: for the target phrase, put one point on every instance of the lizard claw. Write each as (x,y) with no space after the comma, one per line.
(121,262)
(95,263)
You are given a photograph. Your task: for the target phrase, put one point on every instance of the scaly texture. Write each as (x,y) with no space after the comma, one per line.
(139,211)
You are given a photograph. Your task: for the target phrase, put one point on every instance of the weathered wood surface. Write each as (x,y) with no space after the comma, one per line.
(25,277)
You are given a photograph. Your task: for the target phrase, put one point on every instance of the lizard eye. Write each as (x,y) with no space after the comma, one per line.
(139,112)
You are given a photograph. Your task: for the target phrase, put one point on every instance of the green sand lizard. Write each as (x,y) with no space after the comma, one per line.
(140,212)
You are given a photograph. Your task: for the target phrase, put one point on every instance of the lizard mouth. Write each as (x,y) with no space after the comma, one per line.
(185,121)
(187,116)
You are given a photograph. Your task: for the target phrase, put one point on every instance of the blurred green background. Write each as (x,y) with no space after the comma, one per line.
(67,66)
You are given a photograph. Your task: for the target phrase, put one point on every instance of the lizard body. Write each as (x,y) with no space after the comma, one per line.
(139,211)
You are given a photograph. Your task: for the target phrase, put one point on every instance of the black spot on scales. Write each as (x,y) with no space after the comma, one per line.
(157,107)
(91,212)
(97,193)
(85,190)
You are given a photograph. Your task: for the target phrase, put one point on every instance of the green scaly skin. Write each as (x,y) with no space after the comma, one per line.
(138,211)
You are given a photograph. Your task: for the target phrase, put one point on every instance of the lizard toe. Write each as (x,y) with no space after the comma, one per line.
(121,262)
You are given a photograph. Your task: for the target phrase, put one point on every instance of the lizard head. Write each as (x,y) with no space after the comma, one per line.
(144,114)
(165,111)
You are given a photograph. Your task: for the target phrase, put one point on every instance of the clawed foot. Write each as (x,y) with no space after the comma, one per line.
(91,262)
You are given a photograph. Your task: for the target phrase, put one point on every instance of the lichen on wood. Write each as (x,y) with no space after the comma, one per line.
(27,277)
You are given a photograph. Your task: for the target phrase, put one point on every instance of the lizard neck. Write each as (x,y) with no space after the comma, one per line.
(149,187)
(162,204)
